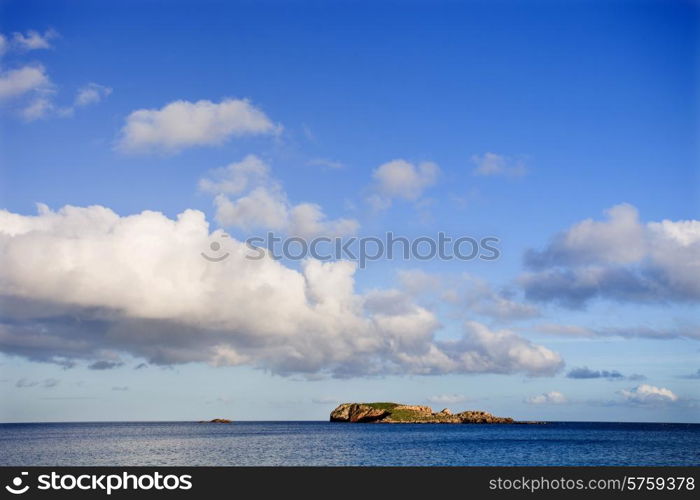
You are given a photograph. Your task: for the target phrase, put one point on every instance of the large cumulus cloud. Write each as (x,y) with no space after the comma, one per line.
(84,283)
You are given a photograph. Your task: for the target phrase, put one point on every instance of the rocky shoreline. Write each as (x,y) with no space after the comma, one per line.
(395,413)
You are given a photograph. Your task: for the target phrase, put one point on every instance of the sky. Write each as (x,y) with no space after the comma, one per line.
(136,135)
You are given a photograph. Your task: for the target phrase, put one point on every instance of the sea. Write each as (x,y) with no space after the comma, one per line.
(337,444)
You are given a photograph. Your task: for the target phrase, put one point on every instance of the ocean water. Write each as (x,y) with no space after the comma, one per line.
(325,443)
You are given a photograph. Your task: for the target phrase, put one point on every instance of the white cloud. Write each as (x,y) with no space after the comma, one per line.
(33,40)
(502,351)
(30,85)
(261,208)
(620,258)
(237,177)
(16,82)
(43,106)
(649,394)
(39,107)
(552,397)
(403,180)
(86,283)
(263,204)
(308,220)
(183,124)
(92,93)
(490,164)
(447,399)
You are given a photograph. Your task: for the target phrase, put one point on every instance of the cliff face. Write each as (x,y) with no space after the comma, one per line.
(357,412)
(394,413)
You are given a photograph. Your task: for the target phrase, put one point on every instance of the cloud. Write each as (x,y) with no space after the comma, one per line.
(237,177)
(501,351)
(16,82)
(84,283)
(39,108)
(183,124)
(48,383)
(417,281)
(619,258)
(120,388)
(31,86)
(92,93)
(586,373)
(447,399)
(492,164)
(691,332)
(105,365)
(403,180)
(648,394)
(479,297)
(33,40)
(23,382)
(468,293)
(547,398)
(261,203)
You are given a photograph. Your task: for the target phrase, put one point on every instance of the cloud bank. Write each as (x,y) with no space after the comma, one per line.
(618,258)
(84,283)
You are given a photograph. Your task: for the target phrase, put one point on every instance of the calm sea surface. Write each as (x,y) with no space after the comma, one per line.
(324,443)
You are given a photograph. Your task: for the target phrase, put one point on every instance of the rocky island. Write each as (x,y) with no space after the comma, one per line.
(395,413)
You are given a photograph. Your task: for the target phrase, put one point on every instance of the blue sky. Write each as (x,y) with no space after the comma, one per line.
(582,107)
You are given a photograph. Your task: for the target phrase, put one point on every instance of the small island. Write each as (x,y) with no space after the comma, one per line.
(395,413)
(217,421)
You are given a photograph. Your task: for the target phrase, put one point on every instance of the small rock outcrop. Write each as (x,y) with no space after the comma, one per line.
(217,421)
(394,413)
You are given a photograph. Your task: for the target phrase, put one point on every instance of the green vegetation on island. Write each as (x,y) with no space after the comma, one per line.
(395,413)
